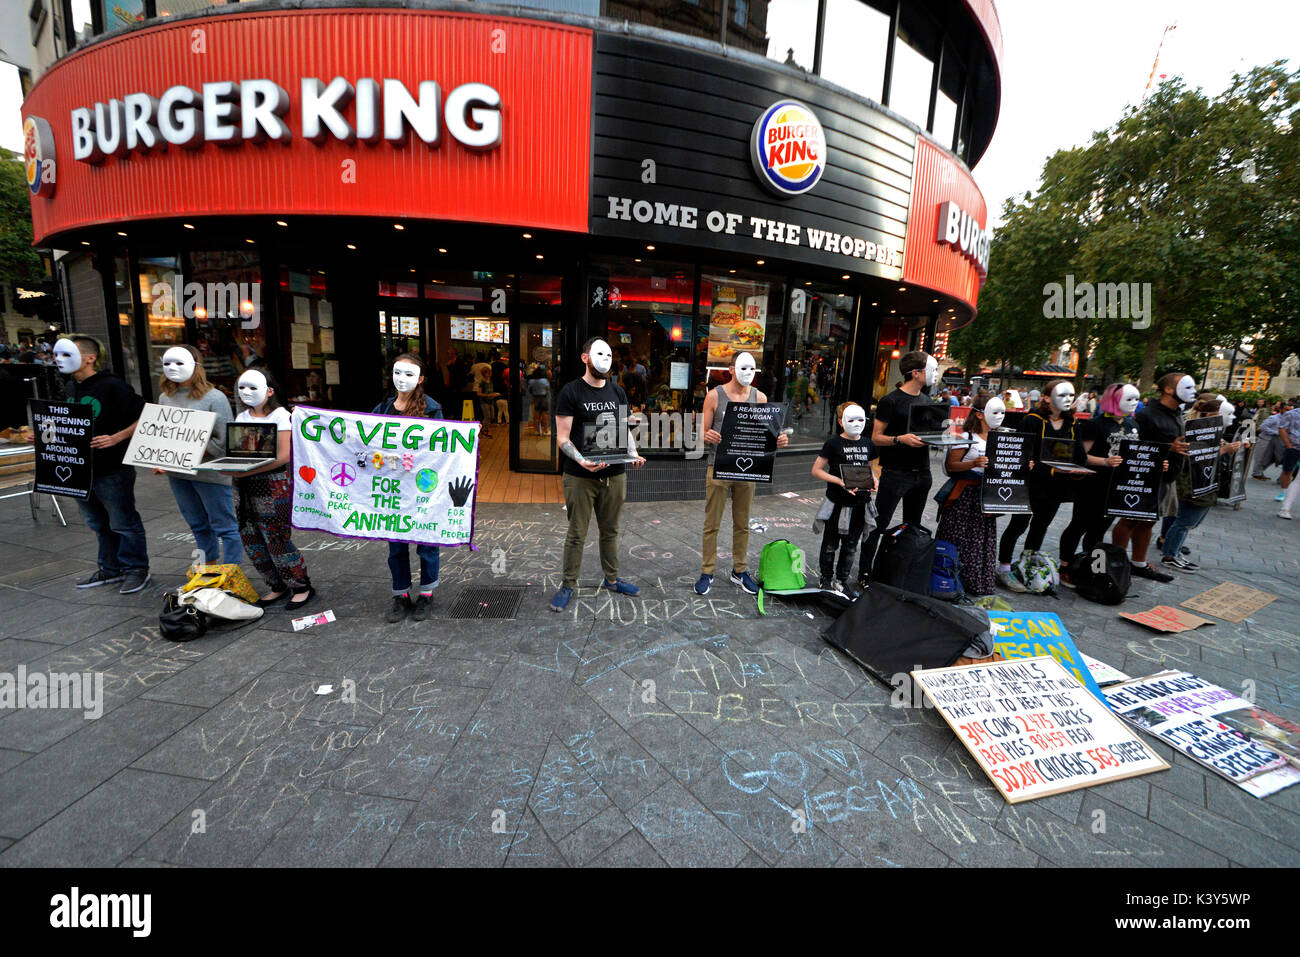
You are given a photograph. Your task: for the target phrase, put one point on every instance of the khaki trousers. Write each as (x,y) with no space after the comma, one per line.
(582,497)
(715,502)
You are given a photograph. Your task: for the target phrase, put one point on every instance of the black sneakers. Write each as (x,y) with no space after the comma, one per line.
(101,577)
(1182,564)
(401,605)
(1151,572)
(134,581)
(423,605)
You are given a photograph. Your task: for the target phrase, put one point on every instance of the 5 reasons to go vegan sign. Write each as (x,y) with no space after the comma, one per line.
(384,476)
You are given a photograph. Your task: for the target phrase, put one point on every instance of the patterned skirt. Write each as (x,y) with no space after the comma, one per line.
(976,536)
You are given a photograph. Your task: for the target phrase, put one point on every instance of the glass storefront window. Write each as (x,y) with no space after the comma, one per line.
(126,324)
(165,309)
(121,13)
(854,42)
(792,32)
(738,313)
(945,119)
(233,298)
(909,92)
(816,358)
(309,367)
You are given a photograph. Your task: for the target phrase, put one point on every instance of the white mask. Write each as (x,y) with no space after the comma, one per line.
(995,410)
(178,364)
(745,369)
(252,389)
(1063,397)
(931,371)
(406,376)
(1228,411)
(67,357)
(1186,390)
(1129,397)
(855,421)
(601,356)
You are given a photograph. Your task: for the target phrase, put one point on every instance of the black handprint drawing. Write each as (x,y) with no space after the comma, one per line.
(459,490)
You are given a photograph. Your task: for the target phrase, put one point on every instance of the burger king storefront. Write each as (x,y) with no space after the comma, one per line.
(317,191)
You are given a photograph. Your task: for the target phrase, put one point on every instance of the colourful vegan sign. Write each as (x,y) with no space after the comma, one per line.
(385,477)
(1027,634)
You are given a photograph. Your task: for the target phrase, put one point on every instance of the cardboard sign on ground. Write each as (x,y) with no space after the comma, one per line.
(1034,729)
(1164,618)
(1230,601)
(1103,673)
(1026,634)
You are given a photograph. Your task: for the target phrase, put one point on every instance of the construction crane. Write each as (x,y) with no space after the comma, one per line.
(1156,65)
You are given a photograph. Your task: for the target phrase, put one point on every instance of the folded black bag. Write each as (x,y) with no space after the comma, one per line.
(892,632)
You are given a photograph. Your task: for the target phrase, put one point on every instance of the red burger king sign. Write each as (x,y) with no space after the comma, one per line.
(38,156)
(788,148)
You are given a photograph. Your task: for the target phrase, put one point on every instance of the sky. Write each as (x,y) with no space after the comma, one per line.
(1070,67)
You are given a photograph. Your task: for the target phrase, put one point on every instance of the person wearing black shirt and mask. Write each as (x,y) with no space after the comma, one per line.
(584,408)
(110,510)
(904,459)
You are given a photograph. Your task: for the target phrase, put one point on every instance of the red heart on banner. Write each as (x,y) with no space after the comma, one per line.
(308,474)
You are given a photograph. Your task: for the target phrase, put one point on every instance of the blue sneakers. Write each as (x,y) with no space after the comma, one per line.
(744,581)
(561,599)
(621,587)
(704,584)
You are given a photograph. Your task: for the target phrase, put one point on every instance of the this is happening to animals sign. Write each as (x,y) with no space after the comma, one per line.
(385,477)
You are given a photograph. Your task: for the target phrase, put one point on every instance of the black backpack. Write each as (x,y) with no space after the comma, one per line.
(1102,575)
(905,559)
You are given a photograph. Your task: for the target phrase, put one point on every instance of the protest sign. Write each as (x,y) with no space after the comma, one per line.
(1005,488)
(747,450)
(1203,437)
(1103,673)
(1134,490)
(171,438)
(1028,634)
(1230,601)
(1164,618)
(1192,715)
(387,477)
(1033,729)
(63,456)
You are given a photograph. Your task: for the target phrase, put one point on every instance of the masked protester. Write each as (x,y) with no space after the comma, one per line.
(110,510)
(739,389)
(585,409)
(410,400)
(1051,418)
(843,515)
(264,498)
(1100,437)
(904,459)
(1192,509)
(205,498)
(1160,421)
(961,519)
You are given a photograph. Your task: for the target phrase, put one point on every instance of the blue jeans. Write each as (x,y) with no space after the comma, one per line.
(399,563)
(209,511)
(1188,517)
(110,513)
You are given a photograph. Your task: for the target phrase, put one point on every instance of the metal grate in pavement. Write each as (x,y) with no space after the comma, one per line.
(494,601)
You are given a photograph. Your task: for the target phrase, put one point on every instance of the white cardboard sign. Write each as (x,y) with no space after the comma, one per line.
(171,438)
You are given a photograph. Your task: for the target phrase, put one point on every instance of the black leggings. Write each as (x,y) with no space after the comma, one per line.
(1089,521)
(846,544)
(1045,497)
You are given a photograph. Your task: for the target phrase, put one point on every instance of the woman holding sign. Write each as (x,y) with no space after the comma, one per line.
(265,498)
(408,380)
(962,520)
(205,498)
(1192,509)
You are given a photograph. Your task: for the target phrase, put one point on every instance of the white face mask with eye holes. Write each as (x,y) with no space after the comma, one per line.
(1129,397)
(1228,411)
(601,357)
(178,365)
(1063,397)
(406,376)
(931,372)
(252,389)
(745,369)
(67,357)
(995,410)
(855,421)
(1186,390)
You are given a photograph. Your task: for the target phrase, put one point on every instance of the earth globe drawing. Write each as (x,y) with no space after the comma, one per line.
(426,480)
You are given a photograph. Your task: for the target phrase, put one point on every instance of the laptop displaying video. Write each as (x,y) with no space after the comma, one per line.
(604,442)
(931,422)
(1059,454)
(249,445)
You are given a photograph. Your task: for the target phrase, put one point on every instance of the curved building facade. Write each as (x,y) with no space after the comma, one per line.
(319,187)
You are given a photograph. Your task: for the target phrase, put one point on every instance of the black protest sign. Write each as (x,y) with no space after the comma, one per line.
(1135,483)
(1005,487)
(1203,437)
(747,450)
(1232,480)
(63,459)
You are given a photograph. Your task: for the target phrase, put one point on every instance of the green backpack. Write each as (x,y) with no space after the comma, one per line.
(780,568)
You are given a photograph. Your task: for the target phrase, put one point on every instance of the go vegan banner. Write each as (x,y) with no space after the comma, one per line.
(387,477)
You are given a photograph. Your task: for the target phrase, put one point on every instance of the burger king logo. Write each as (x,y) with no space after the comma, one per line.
(788,148)
(38,156)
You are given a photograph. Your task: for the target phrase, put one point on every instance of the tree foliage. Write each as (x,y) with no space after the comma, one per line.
(19,262)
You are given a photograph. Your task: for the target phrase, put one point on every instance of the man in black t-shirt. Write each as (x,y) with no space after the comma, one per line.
(110,509)
(904,458)
(589,413)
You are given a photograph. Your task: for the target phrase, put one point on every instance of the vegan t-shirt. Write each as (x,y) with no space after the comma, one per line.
(838,451)
(592,410)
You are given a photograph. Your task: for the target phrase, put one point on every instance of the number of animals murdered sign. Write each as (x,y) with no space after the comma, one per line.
(1033,729)
(1135,483)
(384,476)
(1203,436)
(63,455)
(1005,488)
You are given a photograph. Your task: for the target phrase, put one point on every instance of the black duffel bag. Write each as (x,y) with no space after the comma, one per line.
(905,559)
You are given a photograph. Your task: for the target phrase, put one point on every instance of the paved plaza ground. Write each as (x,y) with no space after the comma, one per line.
(537,740)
